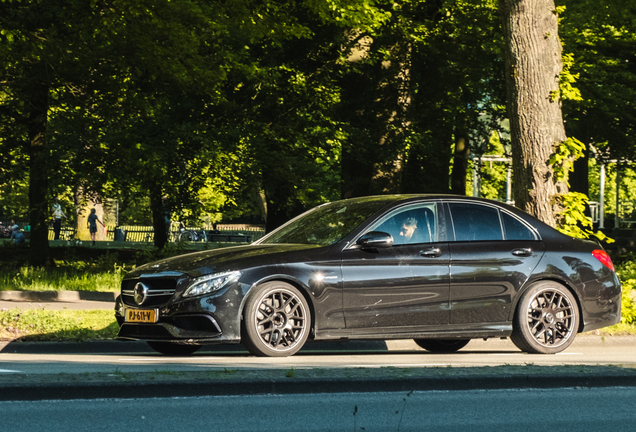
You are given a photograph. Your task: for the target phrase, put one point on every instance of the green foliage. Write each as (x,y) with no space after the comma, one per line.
(567,90)
(626,271)
(562,160)
(572,220)
(600,37)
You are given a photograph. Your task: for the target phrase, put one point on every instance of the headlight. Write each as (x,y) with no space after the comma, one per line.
(210,283)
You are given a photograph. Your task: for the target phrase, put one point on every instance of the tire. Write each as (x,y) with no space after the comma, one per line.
(546,320)
(186,236)
(276,320)
(174,349)
(442,345)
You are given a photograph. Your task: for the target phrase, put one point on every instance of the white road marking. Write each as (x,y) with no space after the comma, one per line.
(9,371)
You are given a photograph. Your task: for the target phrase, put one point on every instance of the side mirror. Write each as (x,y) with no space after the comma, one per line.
(375,239)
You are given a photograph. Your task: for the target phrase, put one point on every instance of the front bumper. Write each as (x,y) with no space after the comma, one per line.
(201,320)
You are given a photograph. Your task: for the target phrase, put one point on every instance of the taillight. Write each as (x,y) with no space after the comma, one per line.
(603,257)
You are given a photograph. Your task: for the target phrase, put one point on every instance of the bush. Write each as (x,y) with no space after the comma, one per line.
(626,271)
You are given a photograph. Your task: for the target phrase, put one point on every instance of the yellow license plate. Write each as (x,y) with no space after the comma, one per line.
(141,315)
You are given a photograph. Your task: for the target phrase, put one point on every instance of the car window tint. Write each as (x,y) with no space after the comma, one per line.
(515,229)
(326,224)
(421,221)
(475,222)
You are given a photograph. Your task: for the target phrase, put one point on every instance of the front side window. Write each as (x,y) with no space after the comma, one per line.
(416,223)
(474,222)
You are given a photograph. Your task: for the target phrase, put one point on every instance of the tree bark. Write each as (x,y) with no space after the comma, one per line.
(39,214)
(533,66)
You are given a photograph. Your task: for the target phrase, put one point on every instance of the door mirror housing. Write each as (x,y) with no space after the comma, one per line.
(375,239)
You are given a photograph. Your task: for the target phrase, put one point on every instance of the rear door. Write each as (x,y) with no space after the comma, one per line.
(492,255)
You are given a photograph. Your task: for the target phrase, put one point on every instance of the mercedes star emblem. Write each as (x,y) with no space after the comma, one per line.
(141,291)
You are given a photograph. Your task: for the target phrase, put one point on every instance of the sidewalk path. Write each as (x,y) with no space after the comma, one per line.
(57,300)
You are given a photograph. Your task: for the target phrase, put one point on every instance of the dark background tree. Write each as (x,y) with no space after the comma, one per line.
(273,107)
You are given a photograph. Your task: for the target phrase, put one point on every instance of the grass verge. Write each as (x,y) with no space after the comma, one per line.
(66,325)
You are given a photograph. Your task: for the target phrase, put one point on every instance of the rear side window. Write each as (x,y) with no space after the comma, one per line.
(515,229)
(473,222)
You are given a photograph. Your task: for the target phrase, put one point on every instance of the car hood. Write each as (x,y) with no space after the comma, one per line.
(226,259)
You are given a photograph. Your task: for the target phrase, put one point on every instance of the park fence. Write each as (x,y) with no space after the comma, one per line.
(224,233)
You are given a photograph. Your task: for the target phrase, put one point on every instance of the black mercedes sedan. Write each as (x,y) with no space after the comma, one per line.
(439,269)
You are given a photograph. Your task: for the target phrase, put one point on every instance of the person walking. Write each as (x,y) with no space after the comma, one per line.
(58,214)
(17,236)
(92,224)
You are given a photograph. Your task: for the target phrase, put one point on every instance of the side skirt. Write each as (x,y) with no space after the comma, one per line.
(490,330)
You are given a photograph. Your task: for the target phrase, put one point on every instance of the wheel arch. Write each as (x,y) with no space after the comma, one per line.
(514,309)
(288,280)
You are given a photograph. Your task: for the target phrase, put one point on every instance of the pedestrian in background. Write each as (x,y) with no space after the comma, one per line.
(16,235)
(92,224)
(58,214)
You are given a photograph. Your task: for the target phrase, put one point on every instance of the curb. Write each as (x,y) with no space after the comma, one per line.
(57,296)
(282,385)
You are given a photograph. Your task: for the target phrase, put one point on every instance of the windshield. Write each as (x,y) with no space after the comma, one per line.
(326,224)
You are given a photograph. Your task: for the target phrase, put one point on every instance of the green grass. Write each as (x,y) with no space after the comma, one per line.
(66,325)
(40,279)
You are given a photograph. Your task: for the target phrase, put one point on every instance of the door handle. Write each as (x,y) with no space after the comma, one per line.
(431,252)
(524,252)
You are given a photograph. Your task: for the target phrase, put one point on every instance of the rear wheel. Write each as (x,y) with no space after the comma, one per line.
(276,320)
(173,349)
(547,319)
(442,345)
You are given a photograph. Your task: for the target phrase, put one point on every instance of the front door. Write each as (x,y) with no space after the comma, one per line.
(404,287)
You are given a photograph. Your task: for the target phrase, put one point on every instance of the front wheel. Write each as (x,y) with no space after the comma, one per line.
(547,319)
(276,320)
(442,345)
(173,349)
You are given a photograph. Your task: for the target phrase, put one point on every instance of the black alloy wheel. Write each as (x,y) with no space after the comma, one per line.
(276,320)
(547,319)
(442,345)
(174,349)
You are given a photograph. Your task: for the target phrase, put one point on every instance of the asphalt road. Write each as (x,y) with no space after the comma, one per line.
(537,410)
(36,371)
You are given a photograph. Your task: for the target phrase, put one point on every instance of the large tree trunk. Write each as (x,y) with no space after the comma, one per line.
(533,66)
(39,214)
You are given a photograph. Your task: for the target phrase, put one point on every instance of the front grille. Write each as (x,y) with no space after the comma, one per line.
(160,290)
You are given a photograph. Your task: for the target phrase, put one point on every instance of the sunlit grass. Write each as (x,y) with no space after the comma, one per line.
(68,279)
(40,324)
